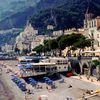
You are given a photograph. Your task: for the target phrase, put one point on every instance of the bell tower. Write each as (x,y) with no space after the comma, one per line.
(88,15)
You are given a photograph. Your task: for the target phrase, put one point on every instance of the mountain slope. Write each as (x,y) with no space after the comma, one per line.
(8,36)
(63,14)
(10,7)
(60,13)
(16,13)
(17,20)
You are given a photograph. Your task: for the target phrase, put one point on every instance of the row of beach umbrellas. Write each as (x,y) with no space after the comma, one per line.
(19,82)
(48,81)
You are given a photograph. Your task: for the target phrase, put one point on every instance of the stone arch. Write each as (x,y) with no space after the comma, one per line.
(84,67)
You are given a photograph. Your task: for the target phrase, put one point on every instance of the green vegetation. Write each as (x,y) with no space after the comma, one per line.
(15,13)
(63,14)
(60,13)
(96,62)
(8,36)
(72,41)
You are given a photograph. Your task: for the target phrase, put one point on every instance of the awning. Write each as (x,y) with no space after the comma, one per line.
(28,66)
(21,67)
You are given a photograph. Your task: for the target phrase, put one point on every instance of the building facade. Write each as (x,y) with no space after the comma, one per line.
(23,41)
(7,48)
(92,30)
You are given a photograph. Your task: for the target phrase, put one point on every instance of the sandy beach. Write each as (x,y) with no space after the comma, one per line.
(10,91)
(5,91)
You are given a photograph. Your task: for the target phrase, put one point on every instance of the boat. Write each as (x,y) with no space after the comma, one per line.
(50,65)
(23,60)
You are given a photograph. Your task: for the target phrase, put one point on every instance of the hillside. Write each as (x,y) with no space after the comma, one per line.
(17,20)
(63,14)
(10,7)
(8,36)
(60,13)
(14,13)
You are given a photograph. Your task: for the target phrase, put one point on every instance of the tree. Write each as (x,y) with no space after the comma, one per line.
(73,42)
(47,45)
(62,42)
(82,43)
(39,49)
(53,44)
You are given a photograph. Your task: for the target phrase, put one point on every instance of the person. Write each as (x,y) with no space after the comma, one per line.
(27,97)
(0,71)
(79,58)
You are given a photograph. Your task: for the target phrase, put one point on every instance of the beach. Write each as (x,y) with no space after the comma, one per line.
(10,91)
(5,91)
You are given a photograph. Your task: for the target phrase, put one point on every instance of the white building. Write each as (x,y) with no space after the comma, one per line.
(57,33)
(39,40)
(73,30)
(7,48)
(23,41)
(92,29)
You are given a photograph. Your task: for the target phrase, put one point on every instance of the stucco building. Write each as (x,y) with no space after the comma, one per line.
(92,29)
(23,41)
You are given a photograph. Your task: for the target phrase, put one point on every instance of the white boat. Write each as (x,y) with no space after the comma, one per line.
(44,66)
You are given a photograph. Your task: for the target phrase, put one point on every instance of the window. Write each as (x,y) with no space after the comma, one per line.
(94,23)
(98,44)
(65,67)
(97,35)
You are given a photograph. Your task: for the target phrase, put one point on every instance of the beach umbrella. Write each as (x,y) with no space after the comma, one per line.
(22,86)
(46,78)
(32,81)
(21,67)
(50,82)
(28,66)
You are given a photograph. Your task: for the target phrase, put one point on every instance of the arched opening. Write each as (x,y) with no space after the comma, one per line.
(84,68)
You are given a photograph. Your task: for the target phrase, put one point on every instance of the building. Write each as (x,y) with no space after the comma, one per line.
(74,30)
(23,41)
(39,40)
(7,48)
(57,33)
(92,29)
